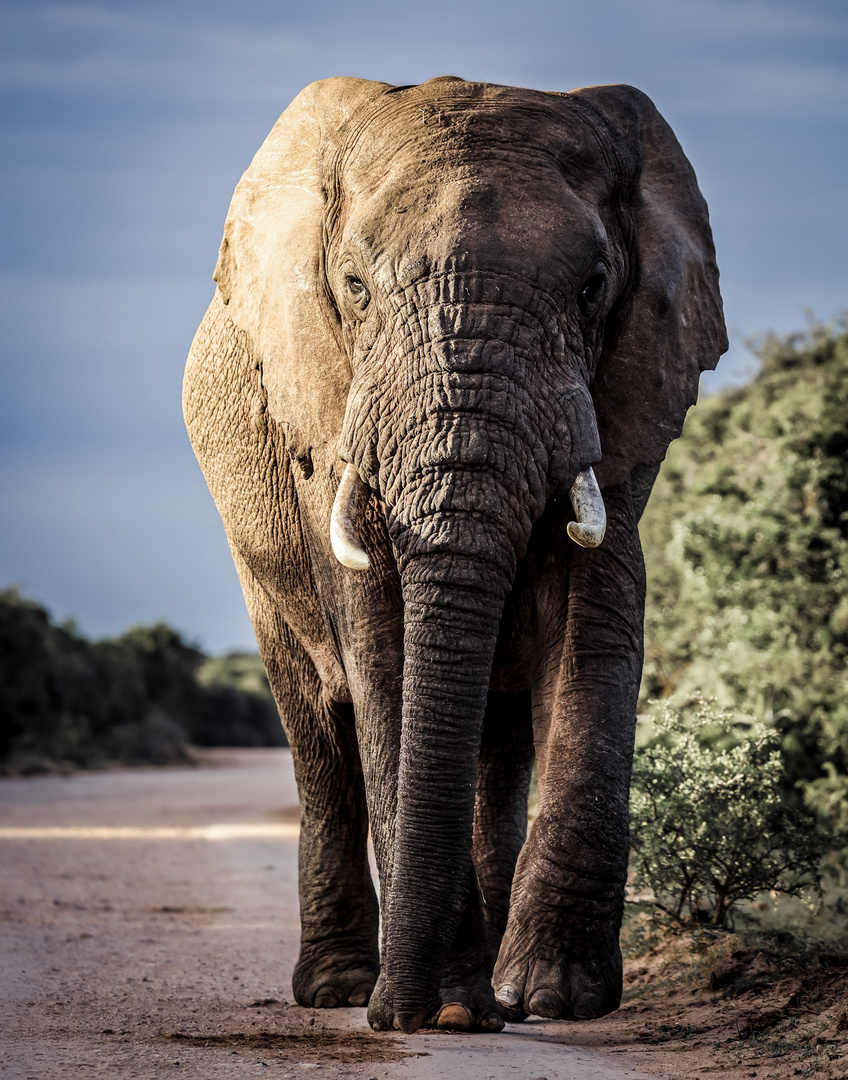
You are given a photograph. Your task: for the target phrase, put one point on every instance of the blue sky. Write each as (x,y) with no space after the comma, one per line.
(125,126)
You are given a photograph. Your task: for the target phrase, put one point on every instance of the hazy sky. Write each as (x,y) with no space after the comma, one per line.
(125,125)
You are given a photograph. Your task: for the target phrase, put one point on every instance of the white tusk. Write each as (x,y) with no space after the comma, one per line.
(348,508)
(588,502)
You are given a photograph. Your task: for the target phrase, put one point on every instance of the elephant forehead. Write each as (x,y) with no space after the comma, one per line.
(411,225)
(469,177)
(483,176)
(470,144)
(458,122)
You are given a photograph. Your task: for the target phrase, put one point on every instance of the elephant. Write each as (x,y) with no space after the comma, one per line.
(446,316)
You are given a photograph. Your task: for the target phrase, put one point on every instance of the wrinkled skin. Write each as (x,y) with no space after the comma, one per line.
(471,293)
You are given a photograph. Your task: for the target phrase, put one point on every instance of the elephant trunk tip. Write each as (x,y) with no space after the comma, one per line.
(409,1022)
(588,502)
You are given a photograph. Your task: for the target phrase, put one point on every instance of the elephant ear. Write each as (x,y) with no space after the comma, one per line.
(270,271)
(670,327)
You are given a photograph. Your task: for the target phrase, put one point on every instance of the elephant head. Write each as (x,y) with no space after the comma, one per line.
(476,295)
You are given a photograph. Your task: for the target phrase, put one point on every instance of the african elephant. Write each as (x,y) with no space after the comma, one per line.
(439,308)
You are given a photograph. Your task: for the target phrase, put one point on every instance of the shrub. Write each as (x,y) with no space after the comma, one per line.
(746,546)
(712,820)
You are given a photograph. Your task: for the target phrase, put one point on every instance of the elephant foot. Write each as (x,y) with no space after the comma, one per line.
(577,979)
(333,981)
(459,1008)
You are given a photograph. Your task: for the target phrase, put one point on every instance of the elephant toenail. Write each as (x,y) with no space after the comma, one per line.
(546,1003)
(508,996)
(454,1016)
(360,995)
(493,1023)
(587,1006)
(326,998)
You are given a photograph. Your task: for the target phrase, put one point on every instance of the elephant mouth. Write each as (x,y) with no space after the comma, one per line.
(352,496)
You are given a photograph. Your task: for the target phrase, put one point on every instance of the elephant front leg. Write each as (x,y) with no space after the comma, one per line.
(500,809)
(499,830)
(465,1000)
(338,963)
(560,954)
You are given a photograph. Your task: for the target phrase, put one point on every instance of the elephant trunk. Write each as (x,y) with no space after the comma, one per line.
(458,529)
(451,620)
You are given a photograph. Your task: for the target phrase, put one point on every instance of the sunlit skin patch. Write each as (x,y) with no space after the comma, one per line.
(278,831)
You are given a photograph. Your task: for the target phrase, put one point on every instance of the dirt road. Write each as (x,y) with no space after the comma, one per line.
(149,928)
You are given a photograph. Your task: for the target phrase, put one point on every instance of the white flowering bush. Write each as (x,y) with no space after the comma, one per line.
(711,820)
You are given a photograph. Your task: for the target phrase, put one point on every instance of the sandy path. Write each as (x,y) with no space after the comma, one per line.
(149,927)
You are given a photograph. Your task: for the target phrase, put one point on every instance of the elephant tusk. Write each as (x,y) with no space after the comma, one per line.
(348,508)
(588,502)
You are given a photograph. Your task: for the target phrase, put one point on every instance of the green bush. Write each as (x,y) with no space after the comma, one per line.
(746,547)
(712,822)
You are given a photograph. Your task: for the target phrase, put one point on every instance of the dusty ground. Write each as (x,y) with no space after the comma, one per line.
(149,927)
(730,1010)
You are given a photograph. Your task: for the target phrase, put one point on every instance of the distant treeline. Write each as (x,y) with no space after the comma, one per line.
(146,696)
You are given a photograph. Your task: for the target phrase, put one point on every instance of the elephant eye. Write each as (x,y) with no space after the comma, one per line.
(593,293)
(357,290)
